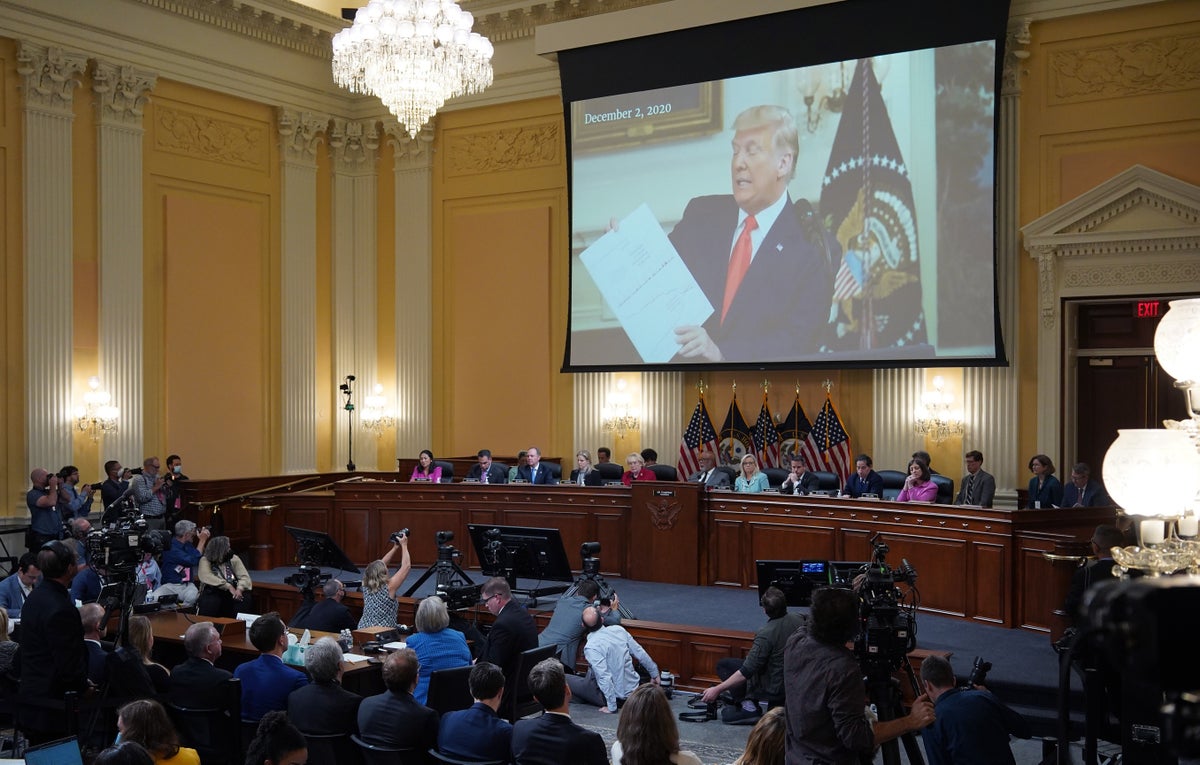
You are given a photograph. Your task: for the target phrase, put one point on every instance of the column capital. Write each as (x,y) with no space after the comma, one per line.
(1015,54)
(1046,256)
(300,133)
(353,145)
(121,92)
(410,153)
(49,76)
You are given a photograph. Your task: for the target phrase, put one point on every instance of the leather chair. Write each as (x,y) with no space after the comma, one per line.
(447,470)
(216,732)
(382,755)
(945,484)
(893,482)
(664,472)
(332,749)
(730,471)
(449,690)
(827,481)
(555,470)
(775,476)
(609,471)
(521,702)
(439,757)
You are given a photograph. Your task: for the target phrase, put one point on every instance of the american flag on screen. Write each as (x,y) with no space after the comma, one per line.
(766,437)
(833,441)
(796,433)
(699,437)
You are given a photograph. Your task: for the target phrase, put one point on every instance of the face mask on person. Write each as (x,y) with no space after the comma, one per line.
(178,469)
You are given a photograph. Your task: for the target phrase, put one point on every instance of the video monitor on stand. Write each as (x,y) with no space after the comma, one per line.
(316,549)
(520,552)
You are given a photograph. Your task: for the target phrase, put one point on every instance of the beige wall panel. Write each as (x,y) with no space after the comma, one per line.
(215,355)
(494,335)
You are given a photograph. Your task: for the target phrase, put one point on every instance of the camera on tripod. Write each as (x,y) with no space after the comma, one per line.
(397,536)
(591,563)
(117,549)
(979,672)
(307,579)
(443,537)
(888,622)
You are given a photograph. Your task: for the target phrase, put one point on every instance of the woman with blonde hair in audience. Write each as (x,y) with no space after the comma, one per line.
(141,638)
(646,731)
(379,591)
(145,722)
(766,744)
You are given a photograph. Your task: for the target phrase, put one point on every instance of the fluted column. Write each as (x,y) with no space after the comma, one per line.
(354,148)
(590,389)
(662,413)
(121,93)
(299,135)
(48,80)
(897,392)
(413,394)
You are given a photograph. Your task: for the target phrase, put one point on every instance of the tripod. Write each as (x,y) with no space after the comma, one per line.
(591,571)
(883,691)
(348,393)
(447,571)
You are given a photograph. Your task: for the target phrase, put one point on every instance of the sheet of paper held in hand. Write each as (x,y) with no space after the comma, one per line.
(646,284)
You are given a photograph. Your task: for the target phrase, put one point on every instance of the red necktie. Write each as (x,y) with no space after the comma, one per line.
(739,263)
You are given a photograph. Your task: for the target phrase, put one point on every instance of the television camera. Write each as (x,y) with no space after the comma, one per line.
(116,549)
(889,623)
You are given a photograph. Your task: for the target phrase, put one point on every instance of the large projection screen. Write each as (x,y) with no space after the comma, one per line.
(822,198)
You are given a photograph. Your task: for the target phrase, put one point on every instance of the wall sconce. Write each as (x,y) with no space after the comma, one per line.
(375,415)
(619,413)
(820,96)
(933,417)
(97,416)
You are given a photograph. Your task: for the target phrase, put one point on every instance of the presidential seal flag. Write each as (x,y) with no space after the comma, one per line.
(833,441)
(766,437)
(867,199)
(736,439)
(796,433)
(699,437)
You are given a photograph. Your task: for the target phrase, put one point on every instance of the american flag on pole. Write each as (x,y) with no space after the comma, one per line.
(766,437)
(833,441)
(699,437)
(796,433)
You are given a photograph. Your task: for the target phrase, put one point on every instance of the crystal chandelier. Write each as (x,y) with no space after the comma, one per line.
(413,55)
(619,414)
(934,417)
(97,416)
(375,415)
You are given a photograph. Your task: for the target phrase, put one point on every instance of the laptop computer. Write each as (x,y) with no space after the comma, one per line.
(62,752)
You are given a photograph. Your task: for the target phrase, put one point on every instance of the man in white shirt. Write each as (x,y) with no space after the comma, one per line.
(611,676)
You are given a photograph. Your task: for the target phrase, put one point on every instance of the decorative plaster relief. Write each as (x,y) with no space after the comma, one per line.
(1139,273)
(516,148)
(408,152)
(1046,287)
(302,29)
(300,134)
(121,92)
(354,145)
(1163,64)
(1015,54)
(1140,198)
(49,76)
(203,137)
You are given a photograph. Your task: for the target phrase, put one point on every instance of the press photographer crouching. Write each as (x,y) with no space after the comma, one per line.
(972,725)
(826,698)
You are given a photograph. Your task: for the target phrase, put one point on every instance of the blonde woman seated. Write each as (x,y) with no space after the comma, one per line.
(379,591)
(584,474)
(750,480)
(437,646)
(646,731)
(141,638)
(637,470)
(224,581)
(919,486)
(767,741)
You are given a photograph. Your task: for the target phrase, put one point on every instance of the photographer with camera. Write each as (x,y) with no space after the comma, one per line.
(179,561)
(826,697)
(566,630)
(379,591)
(46,520)
(972,725)
(75,502)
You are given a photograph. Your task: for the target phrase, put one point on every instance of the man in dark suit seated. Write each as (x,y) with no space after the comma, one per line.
(194,682)
(394,719)
(1082,491)
(511,633)
(19,585)
(553,739)
(800,480)
(267,681)
(478,733)
(533,471)
(865,480)
(1104,539)
(708,473)
(324,707)
(978,485)
(328,614)
(486,472)
(92,616)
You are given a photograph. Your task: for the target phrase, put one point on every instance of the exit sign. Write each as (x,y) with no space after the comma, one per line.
(1147,309)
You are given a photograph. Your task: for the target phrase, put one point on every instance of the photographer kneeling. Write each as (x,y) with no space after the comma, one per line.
(972,726)
(826,697)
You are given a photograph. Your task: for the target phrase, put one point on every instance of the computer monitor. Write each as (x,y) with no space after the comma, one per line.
(62,752)
(521,552)
(796,578)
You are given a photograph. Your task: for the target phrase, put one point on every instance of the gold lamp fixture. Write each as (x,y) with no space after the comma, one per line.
(375,415)
(934,417)
(97,416)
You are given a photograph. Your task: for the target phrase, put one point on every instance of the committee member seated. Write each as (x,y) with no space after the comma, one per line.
(611,676)
(750,479)
(329,614)
(425,470)
(1045,491)
(637,470)
(179,562)
(978,486)
(584,474)
(267,681)
(533,471)
(485,471)
(478,733)
(566,630)
(324,707)
(1082,491)
(919,485)
(800,480)
(437,646)
(758,677)
(972,726)
(865,480)
(224,580)
(394,719)
(380,591)
(19,584)
(708,475)
(552,739)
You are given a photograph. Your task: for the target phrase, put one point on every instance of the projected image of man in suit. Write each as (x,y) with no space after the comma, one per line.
(763,263)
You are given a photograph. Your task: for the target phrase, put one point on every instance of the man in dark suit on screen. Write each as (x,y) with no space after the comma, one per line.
(485,471)
(765,264)
(553,739)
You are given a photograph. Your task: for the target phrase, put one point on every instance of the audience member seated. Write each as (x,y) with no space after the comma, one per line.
(584,474)
(611,676)
(637,470)
(1082,491)
(141,639)
(970,724)
(646,731)
(758,677)
(478,733)
(194,682)
(17,585)
(8,652)
(94,629)
(1045,491)
(533,471)
(865,480)
(328,614)
(224,581)
(437,646)
(800,480)
(379,591)
(145,722)
(277,742)
(267,681)
(766,743)
(918,486)
(179,562)
(486,471)
(708,474)
(750,479)
(394,719)
(566,630)
(552,739)
(511,633)
(124,753)
(324,707)
(978,486)
(1103,540)
(425,470)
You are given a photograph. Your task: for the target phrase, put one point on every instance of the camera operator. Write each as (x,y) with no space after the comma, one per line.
(75,502)
(46,520)
(148,493)
(329,614)
(565,629)
(972,725)
(172,488)
(179,562)
(827,717)
(113,489)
